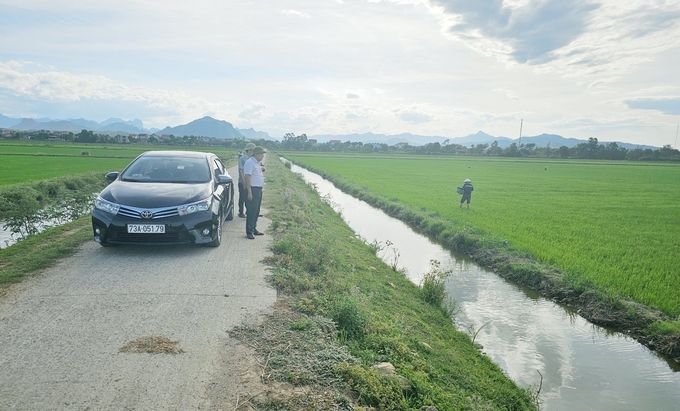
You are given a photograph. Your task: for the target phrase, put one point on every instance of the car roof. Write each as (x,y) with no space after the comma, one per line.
(177,153)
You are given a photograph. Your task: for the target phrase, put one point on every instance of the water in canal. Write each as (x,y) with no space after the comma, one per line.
(584,367)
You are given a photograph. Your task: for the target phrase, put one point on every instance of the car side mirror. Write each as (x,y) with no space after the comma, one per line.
(224,179)
(112,176)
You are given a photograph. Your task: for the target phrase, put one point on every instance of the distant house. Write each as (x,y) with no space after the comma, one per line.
(334,142)
(122,139)
(401,145)
(312,141)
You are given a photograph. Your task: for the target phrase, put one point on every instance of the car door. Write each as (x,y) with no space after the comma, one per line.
(221,191)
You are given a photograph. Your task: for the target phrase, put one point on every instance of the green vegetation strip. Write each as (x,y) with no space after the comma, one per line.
(590,235)
(43,250)
(26,162)
(323,270)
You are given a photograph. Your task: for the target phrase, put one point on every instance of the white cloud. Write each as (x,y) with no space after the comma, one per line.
(33,82)
(412,114)
(508,93)
(354,94)
(254,111)
(295,13)
(571,37)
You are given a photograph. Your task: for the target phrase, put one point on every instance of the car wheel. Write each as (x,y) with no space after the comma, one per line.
(218,237)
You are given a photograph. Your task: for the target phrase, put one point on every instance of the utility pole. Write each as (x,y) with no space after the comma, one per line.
(676,137)
(521,122)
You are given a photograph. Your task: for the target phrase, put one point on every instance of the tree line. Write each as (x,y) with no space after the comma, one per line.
(590,149)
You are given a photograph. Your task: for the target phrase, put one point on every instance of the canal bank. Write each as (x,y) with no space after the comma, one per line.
(534,339)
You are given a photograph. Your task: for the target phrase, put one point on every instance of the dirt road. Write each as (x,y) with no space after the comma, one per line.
(61,331)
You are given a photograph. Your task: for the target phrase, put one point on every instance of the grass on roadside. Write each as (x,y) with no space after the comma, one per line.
(42,250)
(379,315)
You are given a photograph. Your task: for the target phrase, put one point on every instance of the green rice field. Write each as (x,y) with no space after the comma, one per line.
(23,162)
(615,224)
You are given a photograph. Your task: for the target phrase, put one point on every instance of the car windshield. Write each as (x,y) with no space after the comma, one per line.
(151,169)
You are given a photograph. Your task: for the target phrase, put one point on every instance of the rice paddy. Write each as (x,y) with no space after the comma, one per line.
(27,161)
(614,224)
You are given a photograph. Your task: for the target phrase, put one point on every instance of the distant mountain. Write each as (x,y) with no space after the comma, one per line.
(134,123)
(210,127)
(122,127)
(251,134)
(74,125)
(27,124)
(204,127)
(84,124)
(7,122)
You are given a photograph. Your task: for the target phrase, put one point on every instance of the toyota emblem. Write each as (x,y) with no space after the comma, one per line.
(146,214)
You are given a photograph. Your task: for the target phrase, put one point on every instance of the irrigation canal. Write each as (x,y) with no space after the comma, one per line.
(583,366)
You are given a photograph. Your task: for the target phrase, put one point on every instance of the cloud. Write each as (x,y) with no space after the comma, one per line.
(254,111)
(665,105)
(574,37)
(525,32)
(508,93)
(35,84)
(413,115)
(295,13)
(354,94)
(358,113)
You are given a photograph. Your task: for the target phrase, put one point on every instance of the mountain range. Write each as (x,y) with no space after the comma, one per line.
(211,127)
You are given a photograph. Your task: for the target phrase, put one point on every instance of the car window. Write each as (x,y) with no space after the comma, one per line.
(167,170)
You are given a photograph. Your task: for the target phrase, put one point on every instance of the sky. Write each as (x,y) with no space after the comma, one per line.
(607,69)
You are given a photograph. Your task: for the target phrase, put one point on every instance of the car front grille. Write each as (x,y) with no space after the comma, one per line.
(134,212)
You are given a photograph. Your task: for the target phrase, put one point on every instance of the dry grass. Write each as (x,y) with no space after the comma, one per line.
(154,344)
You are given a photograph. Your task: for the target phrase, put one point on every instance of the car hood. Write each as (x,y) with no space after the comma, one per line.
(155,195)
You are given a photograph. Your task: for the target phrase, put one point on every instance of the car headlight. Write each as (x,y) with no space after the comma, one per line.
(195,207)
(109,207)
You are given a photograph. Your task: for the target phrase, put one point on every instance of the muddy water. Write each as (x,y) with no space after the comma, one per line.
(583,366)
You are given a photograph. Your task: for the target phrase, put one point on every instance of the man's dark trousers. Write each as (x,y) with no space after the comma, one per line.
(253,209)
(242,196)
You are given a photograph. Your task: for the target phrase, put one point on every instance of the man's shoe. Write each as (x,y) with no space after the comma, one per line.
(258,232)
(250,236)
(241,215)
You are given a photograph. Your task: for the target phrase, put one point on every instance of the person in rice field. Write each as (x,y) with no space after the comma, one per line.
(467,192)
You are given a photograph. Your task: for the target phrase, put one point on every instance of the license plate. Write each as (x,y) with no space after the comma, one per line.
(146,228)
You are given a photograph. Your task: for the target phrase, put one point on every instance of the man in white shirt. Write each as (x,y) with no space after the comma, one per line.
(253,179)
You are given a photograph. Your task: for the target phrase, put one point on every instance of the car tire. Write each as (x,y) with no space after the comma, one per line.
(218,238)
(105,244)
